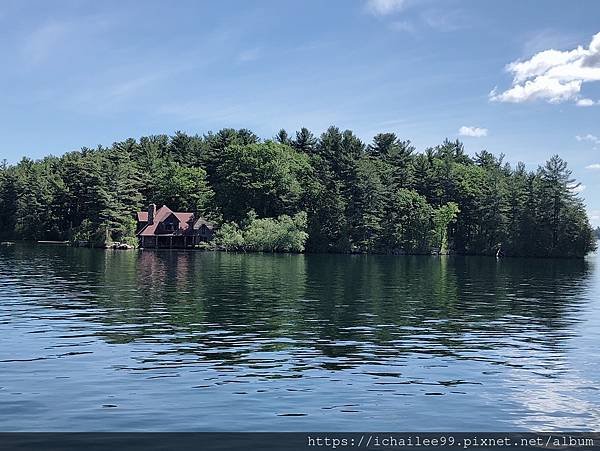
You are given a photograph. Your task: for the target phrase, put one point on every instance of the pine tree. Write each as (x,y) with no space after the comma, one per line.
(304,141)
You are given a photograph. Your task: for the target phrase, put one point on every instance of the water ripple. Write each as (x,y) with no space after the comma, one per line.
(147,340)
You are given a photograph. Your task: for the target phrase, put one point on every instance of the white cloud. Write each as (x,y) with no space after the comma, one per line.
(553,75)
(586,102)
(594,167)
(542,88)
(591,138)
(385,7)
(475,132)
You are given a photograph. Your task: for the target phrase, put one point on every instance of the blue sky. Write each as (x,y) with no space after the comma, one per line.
(514,77)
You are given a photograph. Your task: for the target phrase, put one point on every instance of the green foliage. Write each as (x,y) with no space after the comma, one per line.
(367,203)
(305,141)
(119,195)
(333,193)
(283,138)
(283,234)
(183,188)
(229,237)
(408,226)
(265,177)
(442,218)
(9,194)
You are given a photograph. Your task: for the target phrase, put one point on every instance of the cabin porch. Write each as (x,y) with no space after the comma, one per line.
(167,241)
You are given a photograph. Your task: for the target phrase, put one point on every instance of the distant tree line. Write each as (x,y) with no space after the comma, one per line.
(333,193)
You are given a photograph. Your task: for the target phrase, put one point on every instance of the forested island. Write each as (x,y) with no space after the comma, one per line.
(301,193)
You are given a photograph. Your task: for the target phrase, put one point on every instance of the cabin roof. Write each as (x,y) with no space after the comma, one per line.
(186,222)
(201,221)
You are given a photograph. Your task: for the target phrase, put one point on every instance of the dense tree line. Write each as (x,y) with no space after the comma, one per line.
(346,195)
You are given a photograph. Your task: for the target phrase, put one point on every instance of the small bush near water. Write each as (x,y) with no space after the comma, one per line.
(282,234)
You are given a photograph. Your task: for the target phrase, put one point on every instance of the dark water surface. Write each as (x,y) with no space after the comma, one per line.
(144,340)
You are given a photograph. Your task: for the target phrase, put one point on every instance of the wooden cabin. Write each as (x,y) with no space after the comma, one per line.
(164,228)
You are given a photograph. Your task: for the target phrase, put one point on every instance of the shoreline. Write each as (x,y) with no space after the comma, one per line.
(212,249)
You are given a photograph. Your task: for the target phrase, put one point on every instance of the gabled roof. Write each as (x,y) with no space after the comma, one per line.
(201,221)
(161,214)
(187,222)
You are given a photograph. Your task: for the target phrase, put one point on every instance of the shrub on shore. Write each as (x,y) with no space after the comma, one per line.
(282,234)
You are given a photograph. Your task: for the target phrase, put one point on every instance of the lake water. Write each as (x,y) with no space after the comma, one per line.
(144,340)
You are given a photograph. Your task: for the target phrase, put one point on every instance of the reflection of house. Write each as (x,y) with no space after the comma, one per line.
(166,228)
